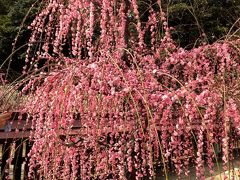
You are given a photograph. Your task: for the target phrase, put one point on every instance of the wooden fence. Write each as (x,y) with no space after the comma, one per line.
(11,131)
(18,168)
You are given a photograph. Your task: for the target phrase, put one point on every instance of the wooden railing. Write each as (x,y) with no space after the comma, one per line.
(18,168)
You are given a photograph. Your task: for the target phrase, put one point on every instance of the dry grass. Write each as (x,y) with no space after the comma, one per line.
(10,99)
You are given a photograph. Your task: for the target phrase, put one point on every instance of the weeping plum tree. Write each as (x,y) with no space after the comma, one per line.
(140,102)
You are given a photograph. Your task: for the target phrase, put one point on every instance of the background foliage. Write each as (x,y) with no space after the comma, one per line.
(12,13)
(209,18)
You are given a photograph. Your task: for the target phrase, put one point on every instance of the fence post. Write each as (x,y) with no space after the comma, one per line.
(6,149)
(18,160)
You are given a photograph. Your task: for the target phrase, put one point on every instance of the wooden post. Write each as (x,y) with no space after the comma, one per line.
(18,160)
(26,168)
(6,149)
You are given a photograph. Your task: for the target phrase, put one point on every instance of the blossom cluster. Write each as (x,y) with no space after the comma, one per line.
(139,106)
